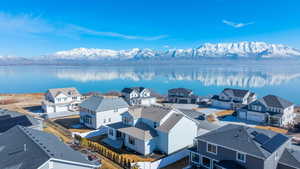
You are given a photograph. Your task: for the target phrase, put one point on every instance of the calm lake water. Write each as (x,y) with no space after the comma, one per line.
(205,79)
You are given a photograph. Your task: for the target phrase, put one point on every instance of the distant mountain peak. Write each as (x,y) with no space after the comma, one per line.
(256,50)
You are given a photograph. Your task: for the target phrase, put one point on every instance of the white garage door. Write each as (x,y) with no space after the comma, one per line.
(61,108)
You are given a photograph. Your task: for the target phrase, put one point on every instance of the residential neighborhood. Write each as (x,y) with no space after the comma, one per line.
(235,129)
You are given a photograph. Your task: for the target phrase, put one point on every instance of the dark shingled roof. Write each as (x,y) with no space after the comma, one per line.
(291,157)
(275,101)
(129,90)
(100,103)
(229,164)
(235,92)
(242,138)
(9,119)
(26,148)
(180,90)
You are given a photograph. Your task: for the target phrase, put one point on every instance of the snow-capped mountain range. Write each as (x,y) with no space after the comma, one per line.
(234,51)
(257,50)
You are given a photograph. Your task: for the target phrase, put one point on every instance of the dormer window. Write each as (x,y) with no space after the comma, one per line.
(241,157)
(211,148)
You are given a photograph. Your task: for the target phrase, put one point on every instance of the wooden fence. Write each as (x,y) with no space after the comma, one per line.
(115,157)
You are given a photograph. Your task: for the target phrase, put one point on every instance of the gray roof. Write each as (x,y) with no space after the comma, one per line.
(101,103)
(235,92)
(230,164)
(275,101)
(141,131)
(200,119)
(26,148)
(129,90)
(155,113)
(245,139)
(135,111)
(170,122)
(291,157)
(180,90)
(71,91)
(117,125)
(9,119)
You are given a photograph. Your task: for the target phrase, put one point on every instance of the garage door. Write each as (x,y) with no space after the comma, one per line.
(61,108)
(182,101)
(255,117)
(242,114)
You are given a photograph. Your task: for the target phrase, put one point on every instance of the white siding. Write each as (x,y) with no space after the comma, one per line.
(180,137)
(109,117)
(140,146)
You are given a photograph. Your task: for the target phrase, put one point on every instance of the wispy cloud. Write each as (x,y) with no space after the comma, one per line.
(88,31)
(235,24)
(35,25)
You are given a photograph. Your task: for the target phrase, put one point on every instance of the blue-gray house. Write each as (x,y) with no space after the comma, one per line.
(241,147)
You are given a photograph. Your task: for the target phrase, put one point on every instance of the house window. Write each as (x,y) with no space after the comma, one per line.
(111,132)
(74,98)
(131,140)
(126,120)
(87,119)
(211,148)
(104,121)
(240,157)
(109,119)
(195,158)
(206,162)
(115,110)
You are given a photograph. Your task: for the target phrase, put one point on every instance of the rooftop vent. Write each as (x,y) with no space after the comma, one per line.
(25,148)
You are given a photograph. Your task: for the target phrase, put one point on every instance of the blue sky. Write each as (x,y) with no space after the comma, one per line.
(37,27)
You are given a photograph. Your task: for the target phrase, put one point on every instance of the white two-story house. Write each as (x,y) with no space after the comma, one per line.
(153,128)
(138,96)
(270,109)
(61,100)
(97,111)
(233,98)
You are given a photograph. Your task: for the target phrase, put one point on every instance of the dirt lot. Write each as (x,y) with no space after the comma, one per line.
(21,102)
(69,122)
(179,164)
